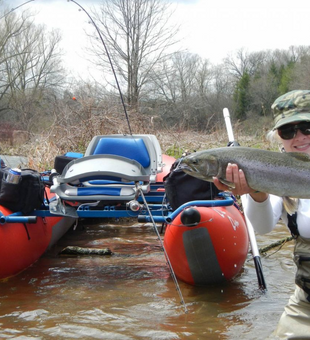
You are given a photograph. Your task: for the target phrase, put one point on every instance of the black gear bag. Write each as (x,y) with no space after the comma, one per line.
(26,195)
(181,187)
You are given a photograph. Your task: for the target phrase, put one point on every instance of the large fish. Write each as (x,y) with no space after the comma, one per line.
(282,174)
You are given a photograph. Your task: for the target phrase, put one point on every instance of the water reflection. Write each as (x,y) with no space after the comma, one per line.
(130,295)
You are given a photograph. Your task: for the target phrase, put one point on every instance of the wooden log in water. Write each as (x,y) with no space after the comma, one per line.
(75,250)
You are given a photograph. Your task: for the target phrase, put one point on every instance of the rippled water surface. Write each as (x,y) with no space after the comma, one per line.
(130,294)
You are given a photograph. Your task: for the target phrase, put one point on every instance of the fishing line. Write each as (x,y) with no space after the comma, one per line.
(110,61)
(129,127)
(165,252)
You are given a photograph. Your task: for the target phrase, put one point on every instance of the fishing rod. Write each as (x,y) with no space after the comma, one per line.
(15,8)
(141,192)
(252,238)
(127,118)
(110,61)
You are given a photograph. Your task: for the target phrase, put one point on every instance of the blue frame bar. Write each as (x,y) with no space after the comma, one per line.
(227,201)
(17,217)
(159,213)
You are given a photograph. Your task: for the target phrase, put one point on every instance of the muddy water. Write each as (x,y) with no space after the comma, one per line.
(130,295)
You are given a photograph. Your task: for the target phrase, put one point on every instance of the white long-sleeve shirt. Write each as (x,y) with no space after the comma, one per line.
(265,215)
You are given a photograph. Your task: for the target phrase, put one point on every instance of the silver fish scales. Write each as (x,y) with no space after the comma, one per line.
(281,174)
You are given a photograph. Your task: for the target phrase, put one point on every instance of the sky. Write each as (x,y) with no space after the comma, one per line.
(213,29)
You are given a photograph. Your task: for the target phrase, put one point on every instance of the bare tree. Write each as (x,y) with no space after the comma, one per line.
(189,92)
(301,74)
(293,55)
(243,62)
(30,68)
(138,36)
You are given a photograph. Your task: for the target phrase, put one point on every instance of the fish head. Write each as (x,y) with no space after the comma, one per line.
(202,165)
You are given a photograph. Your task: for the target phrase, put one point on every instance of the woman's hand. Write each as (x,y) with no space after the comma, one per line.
(237,176)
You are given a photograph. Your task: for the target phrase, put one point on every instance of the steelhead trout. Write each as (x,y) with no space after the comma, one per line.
(281,174)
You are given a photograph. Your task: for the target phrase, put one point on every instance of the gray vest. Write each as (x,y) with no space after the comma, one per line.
(302,261)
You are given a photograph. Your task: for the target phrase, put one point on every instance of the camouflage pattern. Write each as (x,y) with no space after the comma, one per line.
(291,107)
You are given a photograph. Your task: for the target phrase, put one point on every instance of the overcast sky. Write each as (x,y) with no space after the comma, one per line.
(210,28)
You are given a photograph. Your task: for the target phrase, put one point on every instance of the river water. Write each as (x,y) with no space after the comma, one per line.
(130,294)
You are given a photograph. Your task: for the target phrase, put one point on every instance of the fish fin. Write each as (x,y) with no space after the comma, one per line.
(290,204)
(229,184)
(300,156)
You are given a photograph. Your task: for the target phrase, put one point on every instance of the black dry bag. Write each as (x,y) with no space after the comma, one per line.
(24,196)
(181,187)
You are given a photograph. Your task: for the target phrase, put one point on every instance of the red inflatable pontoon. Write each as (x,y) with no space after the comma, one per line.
(211,252)
(22,244)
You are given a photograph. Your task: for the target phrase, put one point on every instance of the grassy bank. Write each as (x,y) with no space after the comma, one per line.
(42,149)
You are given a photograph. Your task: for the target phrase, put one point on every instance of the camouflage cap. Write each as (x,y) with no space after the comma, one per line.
(291,107)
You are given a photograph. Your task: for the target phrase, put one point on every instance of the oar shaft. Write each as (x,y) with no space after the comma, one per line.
(251,232)
(228,125)
(250,229)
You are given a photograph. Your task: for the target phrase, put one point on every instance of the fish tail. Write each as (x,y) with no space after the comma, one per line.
(290,204)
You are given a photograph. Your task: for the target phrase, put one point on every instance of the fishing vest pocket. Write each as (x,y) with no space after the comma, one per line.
(302,261)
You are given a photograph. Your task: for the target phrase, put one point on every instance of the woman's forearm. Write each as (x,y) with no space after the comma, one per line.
(260,213)
(259,196)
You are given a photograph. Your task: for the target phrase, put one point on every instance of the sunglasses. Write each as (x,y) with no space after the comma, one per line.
(289,131)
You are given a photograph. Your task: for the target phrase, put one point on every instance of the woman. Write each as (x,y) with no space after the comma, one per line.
(292,127)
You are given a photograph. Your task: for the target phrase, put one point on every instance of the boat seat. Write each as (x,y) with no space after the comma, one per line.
(142,148)
(112,167)
(101,177)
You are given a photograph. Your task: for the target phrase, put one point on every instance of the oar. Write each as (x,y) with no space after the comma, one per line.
(254,248)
